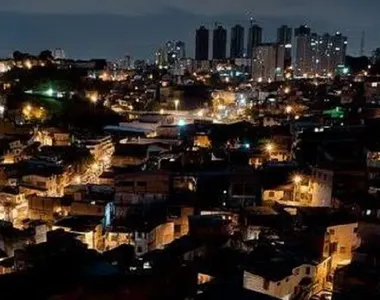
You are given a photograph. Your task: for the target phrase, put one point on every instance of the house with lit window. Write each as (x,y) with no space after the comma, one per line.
(43,181)
(144,236)
(284,274)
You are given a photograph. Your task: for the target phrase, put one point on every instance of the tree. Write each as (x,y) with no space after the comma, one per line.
(46,55)
(375,56)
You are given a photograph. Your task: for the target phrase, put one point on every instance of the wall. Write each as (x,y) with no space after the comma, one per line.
(273,195)
(286,287)
(340,241)
(161,235)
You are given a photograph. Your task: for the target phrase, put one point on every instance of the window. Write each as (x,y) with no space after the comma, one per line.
(139,249)
(177,228)
(342,250)
(296,271)
(325,177)
(279,283)
(307,270)
(266,284)
(356,230)
(271,194)
(333,247)
(40,184)
(332,231)
(287,279)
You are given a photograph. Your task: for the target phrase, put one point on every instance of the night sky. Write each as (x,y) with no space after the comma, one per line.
(113,28)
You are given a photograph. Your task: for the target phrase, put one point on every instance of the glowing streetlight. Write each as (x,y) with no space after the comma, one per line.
(28,64)
(200,113)
(269,147)
(288,109)
(161,111)
(94,98)
(176,103)
(286,90)
(297,179)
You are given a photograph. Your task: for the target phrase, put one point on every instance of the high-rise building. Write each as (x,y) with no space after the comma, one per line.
(303,59)
(339,49)
(169,55)
(161,58)
(180,49)
(175,51)
(237,42)
(219,43)
(284,37)
(202,43)
(318,54)
(255,37)
(268,62)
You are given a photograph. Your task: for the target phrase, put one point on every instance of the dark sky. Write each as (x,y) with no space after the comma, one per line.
(113,28)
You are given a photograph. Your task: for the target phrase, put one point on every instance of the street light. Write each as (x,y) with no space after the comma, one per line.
(176,102)
(269,148)
(297,179)
(288,109)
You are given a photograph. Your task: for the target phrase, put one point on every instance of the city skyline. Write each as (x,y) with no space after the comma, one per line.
(56,32)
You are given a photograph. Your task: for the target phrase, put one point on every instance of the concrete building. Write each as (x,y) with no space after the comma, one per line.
(255,38)
(202,44)
(87,229)
(268,62)
(219,43)
(302,61)
(237,42)
(59,53)
(285,38)
(142,235)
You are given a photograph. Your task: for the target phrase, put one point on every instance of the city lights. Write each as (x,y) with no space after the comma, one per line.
(297,179)
(49,92)
(288,109)
(200,113)
(176,103)
(269,147)
(94,98)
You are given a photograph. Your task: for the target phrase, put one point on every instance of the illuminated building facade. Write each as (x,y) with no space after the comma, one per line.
(302,62)
(318,55)
(268,62)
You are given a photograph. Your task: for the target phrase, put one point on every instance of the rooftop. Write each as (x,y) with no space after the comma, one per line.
(80,223)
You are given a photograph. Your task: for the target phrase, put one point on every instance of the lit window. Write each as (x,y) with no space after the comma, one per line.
(374,84)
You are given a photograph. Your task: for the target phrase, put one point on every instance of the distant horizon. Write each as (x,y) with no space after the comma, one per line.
(112,36)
